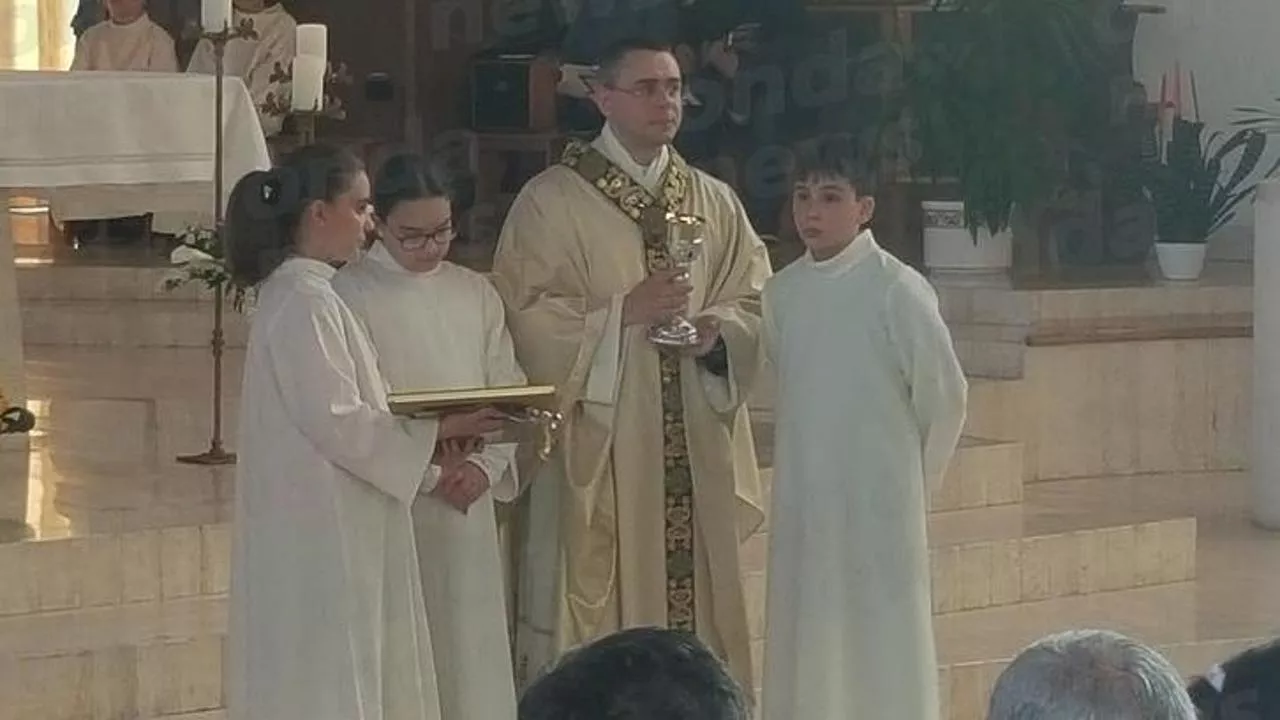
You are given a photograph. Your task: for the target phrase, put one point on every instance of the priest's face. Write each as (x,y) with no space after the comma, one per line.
(252,6)
(643,100)
(125,11)
(829,213)
(335,230)
(418,233)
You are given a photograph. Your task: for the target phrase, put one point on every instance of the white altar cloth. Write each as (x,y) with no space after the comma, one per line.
(103,144)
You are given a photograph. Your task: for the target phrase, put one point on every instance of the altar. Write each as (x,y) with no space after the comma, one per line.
(103,145)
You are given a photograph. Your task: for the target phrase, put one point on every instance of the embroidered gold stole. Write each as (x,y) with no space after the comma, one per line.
(649,212)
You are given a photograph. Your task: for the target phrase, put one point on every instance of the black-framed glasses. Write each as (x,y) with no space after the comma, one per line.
(652,89)
(418,239)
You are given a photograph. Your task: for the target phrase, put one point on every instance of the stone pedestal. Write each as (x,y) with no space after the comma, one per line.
(1266,358)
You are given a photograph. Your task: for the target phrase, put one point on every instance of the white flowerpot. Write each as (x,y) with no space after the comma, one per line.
(949,247)
(1180,261)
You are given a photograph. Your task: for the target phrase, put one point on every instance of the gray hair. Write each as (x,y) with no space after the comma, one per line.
(1090,675)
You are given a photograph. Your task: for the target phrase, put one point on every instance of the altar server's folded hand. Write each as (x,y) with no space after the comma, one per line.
(470,425)
(461,485)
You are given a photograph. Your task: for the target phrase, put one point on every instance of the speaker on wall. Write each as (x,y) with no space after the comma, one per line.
(513,92)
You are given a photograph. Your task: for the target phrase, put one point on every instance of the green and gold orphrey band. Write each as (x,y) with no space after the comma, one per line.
(649,212)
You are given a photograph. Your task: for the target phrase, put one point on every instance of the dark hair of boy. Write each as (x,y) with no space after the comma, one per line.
(835,157)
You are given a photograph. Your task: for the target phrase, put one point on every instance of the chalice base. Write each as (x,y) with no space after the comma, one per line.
(679,333)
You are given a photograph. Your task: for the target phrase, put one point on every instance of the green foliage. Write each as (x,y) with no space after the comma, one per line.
(198,259)
(992,91)
(1189,187)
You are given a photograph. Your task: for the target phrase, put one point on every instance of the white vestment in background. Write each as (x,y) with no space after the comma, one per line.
(254,61)
(870,405)
(140,46)
(446,329)
(327,619)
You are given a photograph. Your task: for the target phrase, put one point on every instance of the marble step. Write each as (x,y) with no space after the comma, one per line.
(169,678)
(88,282)
(161,323)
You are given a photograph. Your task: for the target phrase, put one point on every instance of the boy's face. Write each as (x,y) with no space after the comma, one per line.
(125,11)
(829,212)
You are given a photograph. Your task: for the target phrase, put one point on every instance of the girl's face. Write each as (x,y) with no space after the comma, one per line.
(418,233)
(335,230)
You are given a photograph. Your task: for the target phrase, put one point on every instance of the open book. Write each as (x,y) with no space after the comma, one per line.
(515,400)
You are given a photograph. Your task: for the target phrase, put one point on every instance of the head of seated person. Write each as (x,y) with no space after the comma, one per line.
(1089,674)
(1247,686)
(125,12)
(638,674)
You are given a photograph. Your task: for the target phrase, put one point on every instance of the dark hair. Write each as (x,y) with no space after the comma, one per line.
(407,177)
(1250,686)
(837,157)
(637,674)
(266,208)
(612,57)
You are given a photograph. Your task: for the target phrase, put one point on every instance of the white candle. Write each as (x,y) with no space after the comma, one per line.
(313,40)
(308,82)
(215,15)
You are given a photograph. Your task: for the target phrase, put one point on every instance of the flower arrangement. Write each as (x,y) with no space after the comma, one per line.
(198,258)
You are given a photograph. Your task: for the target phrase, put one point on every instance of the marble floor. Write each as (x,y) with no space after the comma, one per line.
(113,556)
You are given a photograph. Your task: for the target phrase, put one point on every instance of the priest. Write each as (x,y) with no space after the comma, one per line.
(439,326)
(254,60)
(640,517)
(127,41)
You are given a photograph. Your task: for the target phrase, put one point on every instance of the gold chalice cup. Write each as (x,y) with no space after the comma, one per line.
(684,243)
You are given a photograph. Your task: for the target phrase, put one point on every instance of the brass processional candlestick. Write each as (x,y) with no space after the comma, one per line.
(217,454)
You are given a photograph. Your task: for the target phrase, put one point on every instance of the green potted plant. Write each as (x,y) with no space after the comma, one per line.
(990,93)
(1196,186)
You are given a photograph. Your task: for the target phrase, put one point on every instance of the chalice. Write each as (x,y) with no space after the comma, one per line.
(684,244)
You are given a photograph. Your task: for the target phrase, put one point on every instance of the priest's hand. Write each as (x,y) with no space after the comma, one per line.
(660,297)
(708,335)
(471,425)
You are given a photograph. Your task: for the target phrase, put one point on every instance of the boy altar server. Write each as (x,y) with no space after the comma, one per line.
(129,41)
(870,404)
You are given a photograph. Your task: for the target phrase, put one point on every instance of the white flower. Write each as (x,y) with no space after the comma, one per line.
(184,254)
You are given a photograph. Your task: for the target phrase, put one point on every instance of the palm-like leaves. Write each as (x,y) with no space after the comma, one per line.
(986,95)
(1191,197)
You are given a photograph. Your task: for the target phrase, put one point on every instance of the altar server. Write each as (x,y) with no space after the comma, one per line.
(327,620)
(437,325)
(254,60)
(870,404)
(127,41)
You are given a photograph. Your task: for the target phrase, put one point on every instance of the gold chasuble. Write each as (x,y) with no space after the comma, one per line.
(639,517)
(650,213)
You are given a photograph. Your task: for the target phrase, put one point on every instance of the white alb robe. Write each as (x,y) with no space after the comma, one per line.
(870,405)
(254,61)
(140,46)
(327,619)
(445,329)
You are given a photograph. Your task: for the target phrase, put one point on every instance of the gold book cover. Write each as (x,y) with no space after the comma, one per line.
(516,397)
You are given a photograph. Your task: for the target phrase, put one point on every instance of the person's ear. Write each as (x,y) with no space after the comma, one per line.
(868,204)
